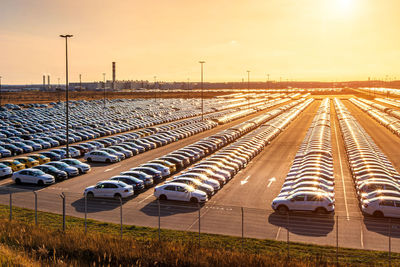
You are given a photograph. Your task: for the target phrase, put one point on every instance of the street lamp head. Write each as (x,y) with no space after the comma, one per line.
(201,62)
(66,35)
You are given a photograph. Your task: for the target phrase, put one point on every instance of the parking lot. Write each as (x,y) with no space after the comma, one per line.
(253,187)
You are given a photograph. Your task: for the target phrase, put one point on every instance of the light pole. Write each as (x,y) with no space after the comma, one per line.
(155,92)
(248,89)
(202,96)
(0,91)
(66,36)
(80,82)
(104,89)
(268,82)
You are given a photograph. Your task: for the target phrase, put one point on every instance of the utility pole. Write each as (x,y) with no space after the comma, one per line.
(155,92)
(248,89)
(104,87)
(268,82)
(66,90)
(0,91)
(202,88)
(80,82)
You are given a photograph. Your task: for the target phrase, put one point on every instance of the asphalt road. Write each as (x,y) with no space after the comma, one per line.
(247,196)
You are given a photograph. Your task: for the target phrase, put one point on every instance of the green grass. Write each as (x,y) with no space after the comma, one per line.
(176,246)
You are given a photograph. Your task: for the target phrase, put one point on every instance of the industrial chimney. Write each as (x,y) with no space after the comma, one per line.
(113,76)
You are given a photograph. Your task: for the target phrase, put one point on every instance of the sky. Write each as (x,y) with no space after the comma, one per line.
(306,40)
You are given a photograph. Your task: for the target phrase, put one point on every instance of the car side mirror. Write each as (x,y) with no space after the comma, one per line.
(186,191)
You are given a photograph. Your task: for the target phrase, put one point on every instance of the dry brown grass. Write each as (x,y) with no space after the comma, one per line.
(56,248)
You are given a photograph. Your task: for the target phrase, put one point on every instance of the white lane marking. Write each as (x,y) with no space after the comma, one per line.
(362,236)
(341,170)
(141,201)
(245,180)
(271,180)
(110,169)
(277,233)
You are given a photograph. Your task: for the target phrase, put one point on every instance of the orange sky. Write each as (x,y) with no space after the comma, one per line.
(293,39)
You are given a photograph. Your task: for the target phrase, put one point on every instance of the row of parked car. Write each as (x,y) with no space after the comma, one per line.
(202,180)
(30,130)
(375,179)
(309,185)
(44,172)
(386,116)
(209,175)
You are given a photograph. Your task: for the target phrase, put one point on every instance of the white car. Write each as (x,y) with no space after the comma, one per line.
(32,176)
(5,171)
(165,172)
(179,191)
(384,206)
(82,167)
(202,178)
(100,156)
(304,201)
(109,189)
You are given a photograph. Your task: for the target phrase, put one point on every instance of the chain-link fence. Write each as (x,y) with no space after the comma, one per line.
(197,221)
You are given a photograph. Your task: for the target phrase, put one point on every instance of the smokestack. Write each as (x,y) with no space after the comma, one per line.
(113,75)
(44,82)
(48,81)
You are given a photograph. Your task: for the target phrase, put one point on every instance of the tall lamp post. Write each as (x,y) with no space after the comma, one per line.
(155,92)
(0,91)
(268,82)
(248,89)
(66,36)
(104,89)
(202,96)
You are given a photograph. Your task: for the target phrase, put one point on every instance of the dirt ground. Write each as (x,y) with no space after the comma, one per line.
(46,97)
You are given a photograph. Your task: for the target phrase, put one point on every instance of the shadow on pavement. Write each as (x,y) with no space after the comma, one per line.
(304,224)
(98,204)
(14,188)
(169,208)
(383,226)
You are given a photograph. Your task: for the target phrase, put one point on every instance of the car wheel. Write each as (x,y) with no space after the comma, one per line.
(117,196)
(162,197)
(282,209)
(89,159)
(40,183)
(321,210)
(18,181)
(108,160)
(378,214)
(90,195)
(193,200)
(80,171)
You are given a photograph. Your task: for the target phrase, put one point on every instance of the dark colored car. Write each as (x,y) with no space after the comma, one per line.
(58,174)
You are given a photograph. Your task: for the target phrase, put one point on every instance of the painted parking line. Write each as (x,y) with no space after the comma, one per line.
(245,180)
(110,169)
(271,180)
(341,171)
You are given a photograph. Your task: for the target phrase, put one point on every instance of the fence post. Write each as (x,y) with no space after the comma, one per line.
(287,235)
(198,206)
(337,240)
(390,242)
(85,214)
(159,220)
(10,206)
(62,195)
(242,226)
(120,201)
(36,219)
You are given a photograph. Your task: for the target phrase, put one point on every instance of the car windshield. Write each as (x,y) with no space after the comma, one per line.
(74,161)
(16,162)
